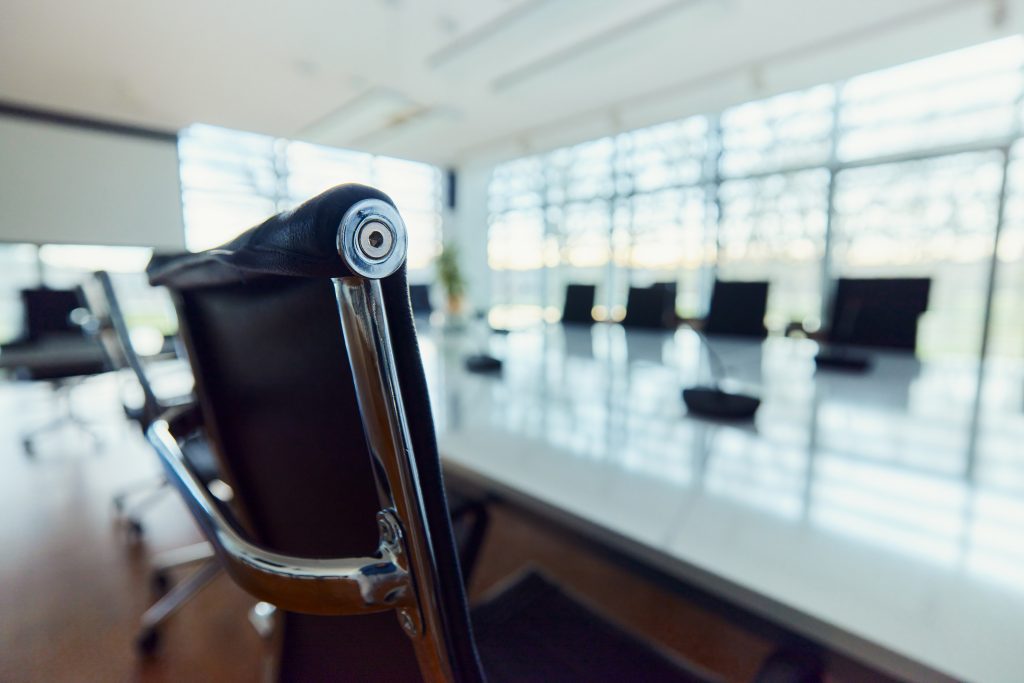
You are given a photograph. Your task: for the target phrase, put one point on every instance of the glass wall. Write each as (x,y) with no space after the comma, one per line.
(517,240)
(931,218)
(898,172)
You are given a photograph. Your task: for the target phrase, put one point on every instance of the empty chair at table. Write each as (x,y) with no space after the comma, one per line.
(54,348)
(737,308)
(327,437)
(651,307)
(579,304)
(878,312)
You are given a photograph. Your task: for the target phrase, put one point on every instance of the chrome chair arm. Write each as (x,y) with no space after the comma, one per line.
(345,586)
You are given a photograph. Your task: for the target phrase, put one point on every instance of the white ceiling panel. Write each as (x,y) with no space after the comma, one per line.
(448,81)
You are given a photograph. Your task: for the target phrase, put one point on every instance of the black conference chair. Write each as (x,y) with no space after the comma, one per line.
(737,308)
(54,348)
(875,312)
(669,289)
(651,307)
(419,296)
(579,304)
(109,326)
(326,434)
(878,312)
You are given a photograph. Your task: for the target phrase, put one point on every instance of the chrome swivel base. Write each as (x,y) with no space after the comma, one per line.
(65,417)
(131,502)
(148,638)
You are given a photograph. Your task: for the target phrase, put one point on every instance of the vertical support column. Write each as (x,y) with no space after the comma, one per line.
(970,465)
(826,256)
(280,161)
(546,275)
(40,266)
(713,206)
(468,224)
(614,273)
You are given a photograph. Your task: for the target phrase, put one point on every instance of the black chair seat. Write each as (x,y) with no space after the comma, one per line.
(533,631)
(56,356)
(52,347)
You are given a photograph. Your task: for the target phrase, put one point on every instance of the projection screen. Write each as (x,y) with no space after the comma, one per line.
(72,184)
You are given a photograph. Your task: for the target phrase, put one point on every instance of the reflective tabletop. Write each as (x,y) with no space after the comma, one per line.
(881,513)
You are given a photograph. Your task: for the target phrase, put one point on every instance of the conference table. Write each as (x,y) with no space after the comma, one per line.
(879,514)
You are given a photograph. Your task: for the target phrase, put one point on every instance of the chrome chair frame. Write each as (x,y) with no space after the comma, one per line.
(402,573)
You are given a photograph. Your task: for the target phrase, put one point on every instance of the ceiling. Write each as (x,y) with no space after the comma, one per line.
(452,81)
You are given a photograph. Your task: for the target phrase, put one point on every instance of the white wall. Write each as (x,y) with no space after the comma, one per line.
(466,226)
(73,185)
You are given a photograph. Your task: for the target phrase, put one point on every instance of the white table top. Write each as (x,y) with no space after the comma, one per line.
(844,512)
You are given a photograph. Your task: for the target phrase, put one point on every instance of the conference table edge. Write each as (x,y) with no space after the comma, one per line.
(678,574)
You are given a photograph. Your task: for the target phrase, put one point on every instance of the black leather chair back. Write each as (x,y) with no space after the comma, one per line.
(650,307)
(579,304)
(48,311)
(260,321)
(419,295)
(738,308)
(880,312)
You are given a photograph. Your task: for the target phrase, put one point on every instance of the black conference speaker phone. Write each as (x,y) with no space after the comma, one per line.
(711,400)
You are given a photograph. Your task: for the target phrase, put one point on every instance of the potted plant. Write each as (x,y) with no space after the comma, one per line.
(454,284)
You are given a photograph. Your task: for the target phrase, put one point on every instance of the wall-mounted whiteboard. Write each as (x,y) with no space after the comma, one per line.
(74,185)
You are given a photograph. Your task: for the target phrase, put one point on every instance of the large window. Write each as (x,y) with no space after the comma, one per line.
(517,245)
(960,97)
(898,172)
(931,218)
(233,180)
(615,212)
(793,130)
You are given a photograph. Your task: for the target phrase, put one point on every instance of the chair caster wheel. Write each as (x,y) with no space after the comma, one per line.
(147,641)
(160,582)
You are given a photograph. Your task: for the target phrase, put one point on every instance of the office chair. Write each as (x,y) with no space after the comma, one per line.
(579,304)
(651,307)
(737,308)
(879,312)
(54,349)
(419,295)
(669,289)
(325,433)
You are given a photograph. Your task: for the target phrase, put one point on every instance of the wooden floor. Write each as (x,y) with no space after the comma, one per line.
(73,585)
